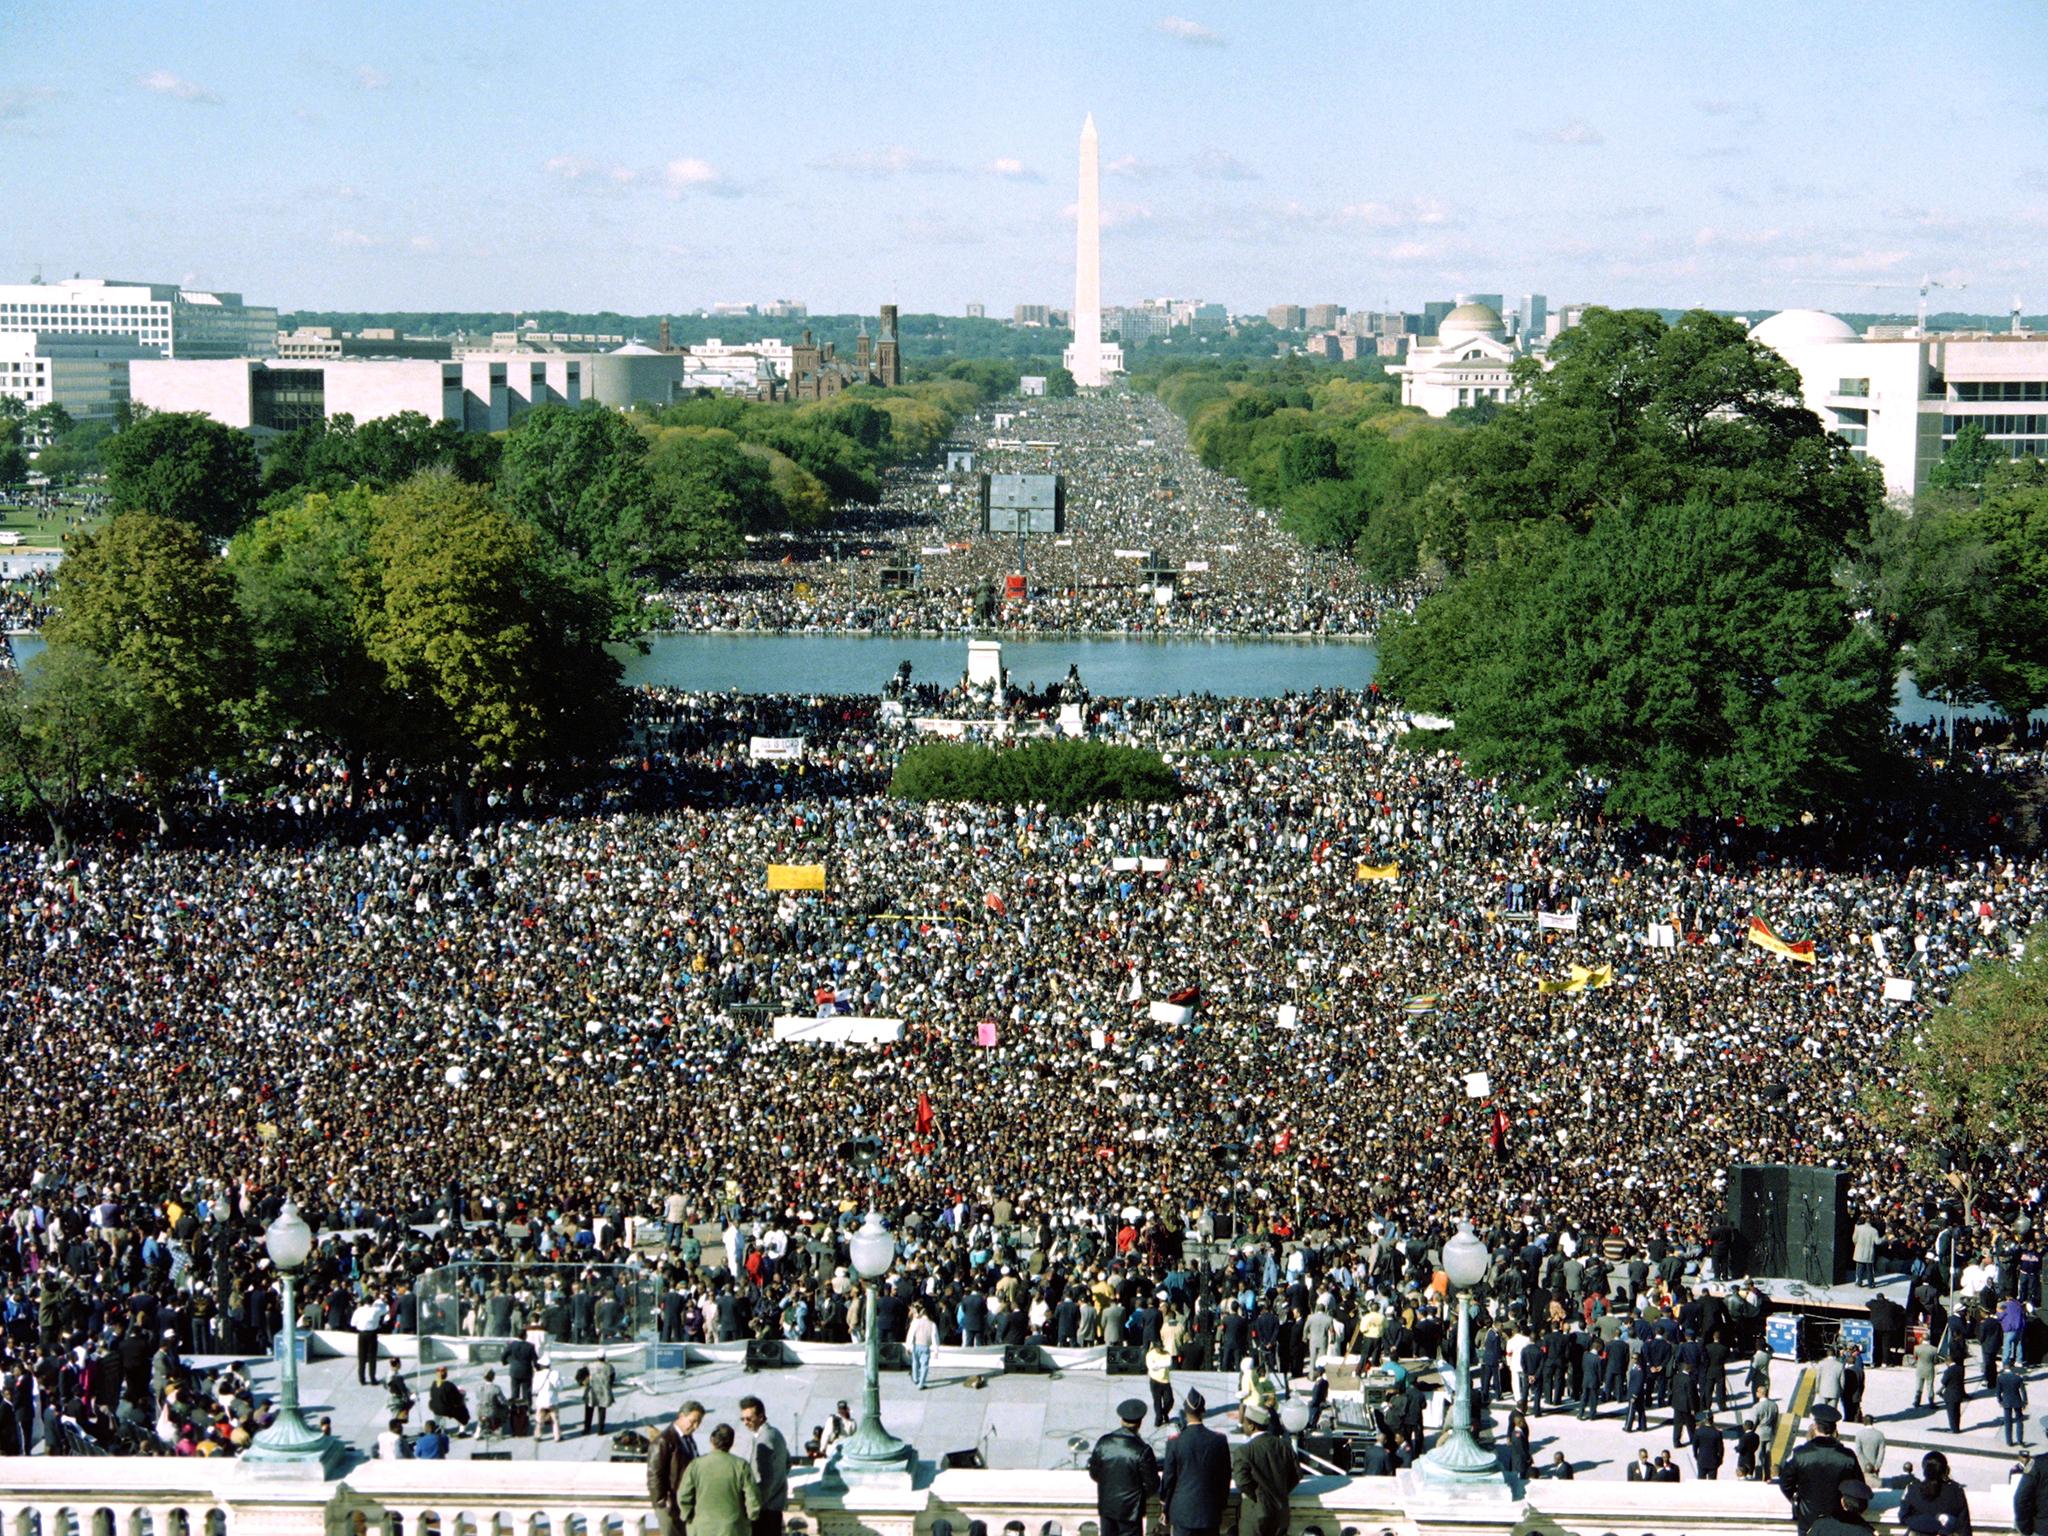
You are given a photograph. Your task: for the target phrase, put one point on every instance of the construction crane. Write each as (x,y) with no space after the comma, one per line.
(2019,327)
(1920,287)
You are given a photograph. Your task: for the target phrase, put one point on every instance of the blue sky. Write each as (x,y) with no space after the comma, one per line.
(647,157)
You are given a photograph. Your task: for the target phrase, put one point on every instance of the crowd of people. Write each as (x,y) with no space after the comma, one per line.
(1135,495)
(473,1050)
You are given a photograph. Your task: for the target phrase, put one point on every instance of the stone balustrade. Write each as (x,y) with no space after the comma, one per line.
(99,1496)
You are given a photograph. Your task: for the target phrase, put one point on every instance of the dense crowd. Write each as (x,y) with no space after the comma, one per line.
(1135,492)
(549,1024)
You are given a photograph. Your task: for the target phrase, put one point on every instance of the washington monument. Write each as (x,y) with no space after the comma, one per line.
(1090,362)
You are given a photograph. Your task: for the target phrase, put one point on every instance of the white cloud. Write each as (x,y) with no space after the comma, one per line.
(424,245)
(568,167)
(1011,169)
(1220,165)
(1871,261)
(1181,30)
(879,164)
(165,83)
(687,173)
(1415,212)
(1414,250)
(354,240)
(368,79)
(622,175)
(1133,167)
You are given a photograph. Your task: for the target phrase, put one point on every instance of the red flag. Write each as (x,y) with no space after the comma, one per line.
(1499,1133)
(1186,997)
(1283,1142)
(924,1114)
(994,903)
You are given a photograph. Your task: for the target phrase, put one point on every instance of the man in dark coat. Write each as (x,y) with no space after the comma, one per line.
(1813,1475)
(667,1460)
(520,1360)
(1194,1475)
(1266,1471)
(1375,1458)
(1955,1386)
(2030,1499)
(1684,1407)
(1125,1471)
(1709,1448)
(2012,1398)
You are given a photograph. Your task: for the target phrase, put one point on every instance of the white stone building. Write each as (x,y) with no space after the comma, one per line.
(1468,361)
(1899,399)
(484,392)
(174,321)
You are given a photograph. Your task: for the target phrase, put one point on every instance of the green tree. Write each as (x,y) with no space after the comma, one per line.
(309,589)
(146,596)
(1973,1080)
(578,475)
(64,725)
(705,493)
(1059,384)
(76,454)
(184,466)
(495,643)
(1971,456)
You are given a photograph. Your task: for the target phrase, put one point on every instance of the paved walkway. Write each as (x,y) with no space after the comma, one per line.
(1032,1421)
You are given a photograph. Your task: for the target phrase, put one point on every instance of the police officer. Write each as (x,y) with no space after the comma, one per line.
(1194,1481)
(1126,1473)
(1813,1475)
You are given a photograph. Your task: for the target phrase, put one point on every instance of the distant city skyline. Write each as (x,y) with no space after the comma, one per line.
(477,157)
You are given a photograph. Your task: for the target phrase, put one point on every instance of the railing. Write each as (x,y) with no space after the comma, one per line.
(60,1496)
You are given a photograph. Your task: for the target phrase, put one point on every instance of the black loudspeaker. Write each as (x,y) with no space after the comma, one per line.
(766,1354)
(969,1460)
(895,1357)
(1793,1221)
(1025,1360)
(1125,1360)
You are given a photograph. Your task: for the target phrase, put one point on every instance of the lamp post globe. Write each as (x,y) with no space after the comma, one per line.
(872,1454)
(290,1439)
(1461,1461)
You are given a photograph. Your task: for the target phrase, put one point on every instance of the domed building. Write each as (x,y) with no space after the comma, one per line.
(1468,361)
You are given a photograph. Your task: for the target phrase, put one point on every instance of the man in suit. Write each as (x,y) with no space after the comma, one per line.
(520,1361)
(1266,1472)
(1955,1386)
(1375,1458)
(2012,1397)
(1125,1473)
(668,1462)
(1709,1448)
(718,1495)
(1640,1470)
(1194,1475)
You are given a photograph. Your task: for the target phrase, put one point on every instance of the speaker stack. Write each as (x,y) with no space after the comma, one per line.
(1793,1221)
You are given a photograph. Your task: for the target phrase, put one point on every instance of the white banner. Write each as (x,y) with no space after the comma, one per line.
(776,749)
(1898,989)
(1663,936)
(1290,1017)
(1171,1013)
(848,1029)
(1196,565)
(1478,1085)
(1564,922)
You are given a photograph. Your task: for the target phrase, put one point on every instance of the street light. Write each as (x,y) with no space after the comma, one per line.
(290,1439)
(1462,1461)
(873,1453)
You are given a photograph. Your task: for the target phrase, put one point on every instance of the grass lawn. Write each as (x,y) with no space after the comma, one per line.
(40,527)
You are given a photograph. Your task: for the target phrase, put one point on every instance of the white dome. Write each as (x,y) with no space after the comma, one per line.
(1468,322)
(1801,327)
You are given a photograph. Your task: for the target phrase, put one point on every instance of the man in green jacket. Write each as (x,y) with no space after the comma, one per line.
(719,1495)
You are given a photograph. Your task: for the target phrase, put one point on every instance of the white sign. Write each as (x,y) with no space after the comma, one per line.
(1564,922)
(847,1029)
(1898,989)
(776,749)
(1478,1085)
(1196,565)
(1170,1013)
(1290,1017)
(1663,936)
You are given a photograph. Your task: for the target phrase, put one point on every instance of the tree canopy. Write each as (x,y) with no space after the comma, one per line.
(1647,600)
(185,466)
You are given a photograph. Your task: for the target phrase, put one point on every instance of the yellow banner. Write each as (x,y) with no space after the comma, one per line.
(1378,871)
(1762,937)
(1582,978)
(796,877)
